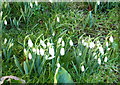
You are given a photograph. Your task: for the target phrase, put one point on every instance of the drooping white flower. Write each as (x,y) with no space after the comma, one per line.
(62,51)
(51,57)
(11,44)
(80,54)
(82,68)
(30,56)
(108,49)
(99,61)
(1,13)
(38,51)
(58,65)
(101,50)
(95,57)
(5,41)
(105,59)
(48,44)
(86,44)
(59,40)
(106,44)
(53,34)
(71,43)
(94,54)
(98,43)
(31,5)
(92,45)
(36,3)
(41,51)
(51,51)
(34,50)
(82,41)
(5,22)
(63,43)
(42,43)
(51,1)
(30,44)
(98,2)
(111,39)
(58,19)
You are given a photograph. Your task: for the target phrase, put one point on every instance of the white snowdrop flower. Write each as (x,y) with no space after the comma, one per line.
(51,1)
(11,44)
(38,51)
(30,44)
(94,54)
(82,68)
(108,49)
(51,51)
(99,61)
(62,51)
(58,19)
(59,40)
(105,59)
(63,43)
(106,44)
(5,22)
(46,57)
(92,45)
(48,44)
(98,2)
(111,39)
(42,43)
(82,41)
(1,13)
(58,65)
(95,57)
(5,41)
(31,5)
(71,43)
(33,49)
(36,3)
(98,43)
(101,50)
(86,44)
(51,57)
(30,56)
(41,51)
(80,54)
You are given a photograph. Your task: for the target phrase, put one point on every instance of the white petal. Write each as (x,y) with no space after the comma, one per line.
(82,68)
(99,61)
(62,51)
(30,56)
(111,39)
(105,59)
(71,43)
(41,51)
(30,44)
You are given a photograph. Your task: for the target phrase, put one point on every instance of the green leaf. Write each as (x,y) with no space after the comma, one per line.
(17,64)
(62,76)
(25,68)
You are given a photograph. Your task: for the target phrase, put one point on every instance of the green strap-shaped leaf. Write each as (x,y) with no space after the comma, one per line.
(62,76)
(17,64)
(25,68)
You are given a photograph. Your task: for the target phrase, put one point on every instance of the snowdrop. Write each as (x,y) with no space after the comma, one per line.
(48,44)
(33,49)
(5,22)
(82,68)
(38,51)
(59,40)
(51,1)
(31,5)
(42,43)
(63,43)
(62,51)
(106,44)
(30,56)
(111,39)
(71,43)
(5,41)
(108,49)
(58,19)
(80,54)
(36,3)
(98,43)
(98,2)
(95,57)
(58,65)
(92,45)
(101,50)
(30,44)
(1,13)
(41,51)
(51,51)
(99,61)
(105,59)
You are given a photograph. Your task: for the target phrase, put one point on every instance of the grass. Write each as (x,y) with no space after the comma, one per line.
(73,24)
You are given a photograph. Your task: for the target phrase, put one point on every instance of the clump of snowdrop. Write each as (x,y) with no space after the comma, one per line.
(99,61)
(71,43)
(82,68)
(30,44)
(111,39)
(30,56)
